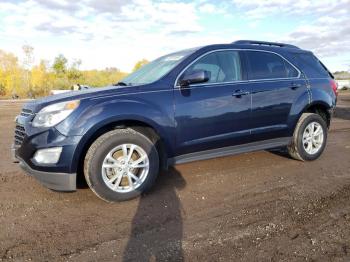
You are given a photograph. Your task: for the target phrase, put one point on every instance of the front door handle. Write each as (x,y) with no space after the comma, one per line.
(294,86)
(239,93)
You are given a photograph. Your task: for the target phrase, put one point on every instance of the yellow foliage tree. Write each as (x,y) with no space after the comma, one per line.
(140,64)
(33,81)
(10,74)
(41,79)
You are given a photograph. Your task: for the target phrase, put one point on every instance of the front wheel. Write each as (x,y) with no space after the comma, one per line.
(309,138)
(121,164)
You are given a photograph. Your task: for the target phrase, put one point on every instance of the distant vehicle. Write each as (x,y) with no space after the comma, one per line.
(190,105)
(14,96)
(343,84)
(80,87)
(74,88)
(59,91)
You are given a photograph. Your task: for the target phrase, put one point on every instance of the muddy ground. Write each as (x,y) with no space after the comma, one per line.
(260,206)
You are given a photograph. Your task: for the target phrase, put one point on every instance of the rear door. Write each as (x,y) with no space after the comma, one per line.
(276,84)
(216,113)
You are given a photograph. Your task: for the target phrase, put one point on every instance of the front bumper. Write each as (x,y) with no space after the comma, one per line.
(28,140)
(52,180)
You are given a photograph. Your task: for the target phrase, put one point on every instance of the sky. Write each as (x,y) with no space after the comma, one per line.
(118,33)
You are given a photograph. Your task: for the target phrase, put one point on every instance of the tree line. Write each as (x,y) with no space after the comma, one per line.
(26,79)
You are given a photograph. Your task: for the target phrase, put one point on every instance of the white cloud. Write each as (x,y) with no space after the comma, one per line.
(103,33)
(119,32)
(328,35)
(207,8)
(257,9)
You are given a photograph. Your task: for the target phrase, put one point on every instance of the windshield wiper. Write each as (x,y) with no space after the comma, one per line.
(120,84)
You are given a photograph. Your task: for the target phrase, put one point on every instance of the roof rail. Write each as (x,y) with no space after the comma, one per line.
(253,42)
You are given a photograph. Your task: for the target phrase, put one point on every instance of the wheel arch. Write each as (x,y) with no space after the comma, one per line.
(321,108)
(303,106)
(146,128)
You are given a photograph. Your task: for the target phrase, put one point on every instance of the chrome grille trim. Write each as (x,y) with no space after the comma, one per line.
(19,135)
(26,112)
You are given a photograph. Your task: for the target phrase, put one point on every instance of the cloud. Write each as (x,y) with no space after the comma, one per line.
(256,9)
(68,6)
(327,34)
(326,40)
(108,6)
(56,29)
(207,8)
(120,32)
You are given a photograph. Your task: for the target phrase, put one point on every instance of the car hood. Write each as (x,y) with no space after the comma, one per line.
(38,104)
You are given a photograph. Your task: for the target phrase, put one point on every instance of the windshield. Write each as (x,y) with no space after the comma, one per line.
(156,69)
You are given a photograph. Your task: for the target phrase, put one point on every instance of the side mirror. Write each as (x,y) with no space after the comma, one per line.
(195,77)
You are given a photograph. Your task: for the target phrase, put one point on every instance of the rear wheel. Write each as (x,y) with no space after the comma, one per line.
(121,165)
(309,139)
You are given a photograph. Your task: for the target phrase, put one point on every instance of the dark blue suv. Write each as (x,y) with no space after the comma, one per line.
(190,105)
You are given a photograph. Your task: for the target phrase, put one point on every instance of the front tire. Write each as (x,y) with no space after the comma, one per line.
(309,138)
(121,164)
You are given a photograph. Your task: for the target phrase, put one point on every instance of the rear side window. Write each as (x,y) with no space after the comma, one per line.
(264,65)
(310,65)
(223,66)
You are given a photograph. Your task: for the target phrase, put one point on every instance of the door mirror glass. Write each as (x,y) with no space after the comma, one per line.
(194,77)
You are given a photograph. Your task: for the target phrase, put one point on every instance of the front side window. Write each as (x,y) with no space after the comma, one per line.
(264,65)
(222,66)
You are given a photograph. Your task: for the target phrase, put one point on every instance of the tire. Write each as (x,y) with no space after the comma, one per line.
(99,178)
(297,148)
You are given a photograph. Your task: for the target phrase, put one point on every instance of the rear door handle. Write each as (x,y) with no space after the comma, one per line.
(239,93)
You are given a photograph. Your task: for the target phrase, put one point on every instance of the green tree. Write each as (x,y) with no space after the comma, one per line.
(60,65)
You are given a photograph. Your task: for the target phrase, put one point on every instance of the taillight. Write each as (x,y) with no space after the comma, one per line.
(334,86)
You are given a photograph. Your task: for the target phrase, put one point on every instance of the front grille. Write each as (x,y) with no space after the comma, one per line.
(26,112)
(19,135)
(20,131)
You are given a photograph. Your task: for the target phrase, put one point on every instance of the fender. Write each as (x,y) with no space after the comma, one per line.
(323,96)
(319,96)
(102,112)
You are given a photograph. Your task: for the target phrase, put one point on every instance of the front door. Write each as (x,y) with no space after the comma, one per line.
(216,113)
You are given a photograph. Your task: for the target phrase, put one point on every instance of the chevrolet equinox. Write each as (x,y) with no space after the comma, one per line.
(194,104)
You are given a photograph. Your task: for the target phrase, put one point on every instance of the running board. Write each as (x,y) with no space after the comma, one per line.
(231,150)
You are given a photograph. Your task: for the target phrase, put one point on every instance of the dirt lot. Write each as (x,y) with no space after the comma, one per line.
(260,206)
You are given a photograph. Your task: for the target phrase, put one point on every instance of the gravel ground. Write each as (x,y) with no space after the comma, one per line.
(261,206)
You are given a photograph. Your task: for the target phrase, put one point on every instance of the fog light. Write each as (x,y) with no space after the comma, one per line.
(48,155)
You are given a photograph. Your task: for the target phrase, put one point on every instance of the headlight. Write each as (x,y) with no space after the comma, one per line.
(53,114)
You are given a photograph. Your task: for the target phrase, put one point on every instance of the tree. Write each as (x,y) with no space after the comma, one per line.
(34,80)
(27,63)
(139,64)
(60,65)
(40,79)
(28,56)
(73,72)
(10,74)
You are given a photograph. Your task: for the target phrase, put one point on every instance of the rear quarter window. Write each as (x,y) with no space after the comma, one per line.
(310,65)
